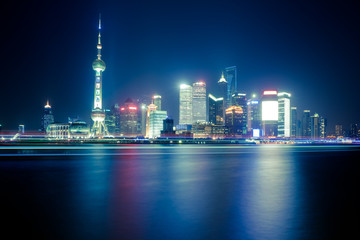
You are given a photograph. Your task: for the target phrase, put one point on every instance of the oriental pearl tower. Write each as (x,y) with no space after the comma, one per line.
(98,114)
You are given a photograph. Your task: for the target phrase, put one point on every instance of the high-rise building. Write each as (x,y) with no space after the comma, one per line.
(129,118)
(110,120)
(143,113)
(231,78)
(216,110)
(269,113)
(156,124)
(185,113)
(305,123)
(315,126)
(294,122)
(253,116)
(323,126)
(339,130)
(233,120)
(239,99)
(354,130)
(116,113)
(98,115)
(157,102)
(168,128)
(223,87)
(48,117)
(199,102)
(284,124)
(150,109)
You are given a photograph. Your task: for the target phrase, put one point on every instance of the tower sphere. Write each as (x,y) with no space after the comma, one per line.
(99,65)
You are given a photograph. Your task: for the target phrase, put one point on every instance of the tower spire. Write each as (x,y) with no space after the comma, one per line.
(99,46)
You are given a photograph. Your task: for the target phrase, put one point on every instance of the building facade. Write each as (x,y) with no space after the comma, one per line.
(129,119)
(306,124)
(199,102)
(239,99)
(231,78)
(48,117)
(185,107)
(233,120)
(284,121)
(294,122)
(269,113)
(156,123)
(216,110)
(253,116)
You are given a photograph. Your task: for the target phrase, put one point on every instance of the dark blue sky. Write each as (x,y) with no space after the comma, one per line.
(309,49)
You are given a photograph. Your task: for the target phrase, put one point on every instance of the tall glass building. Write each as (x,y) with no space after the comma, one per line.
(48,117)
(223,87)
(157,102)
(305,123)
(284,124)
(199,102)
(216,106)
(231,78)
(253,115)
(185,107)
(239,99)
(129,118)
(294,122)
(233,120)
(269,113)
(156,124)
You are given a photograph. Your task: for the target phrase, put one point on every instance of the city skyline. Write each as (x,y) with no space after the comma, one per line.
(141,80)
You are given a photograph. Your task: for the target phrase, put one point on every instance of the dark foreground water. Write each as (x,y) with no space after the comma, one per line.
(180,192)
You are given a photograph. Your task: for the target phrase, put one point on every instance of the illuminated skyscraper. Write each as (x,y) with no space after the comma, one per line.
(306,124)
(185,113)
(129,118)
(253,116)
(284,124)
(239,99)
(216,106)
(323,126)
(315,126)
(233,120)
(223,86)
(150,109)
(156,123)
(294,122)
(157,102)
(339,130)
(98,114)
(231,78)
(199,102)
(269,113)
(48,117)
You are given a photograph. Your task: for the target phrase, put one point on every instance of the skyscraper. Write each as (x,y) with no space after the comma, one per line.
(294,122)
(156,123)
(338,130)
(231,78)
(129,118)
(157,102)
(269,113)
(150,109)
(323,126)
(284,124)
(253,116)
(239,99)
(185,113)
(48,117)
(216,106)
(98,115)
(305,123)
(223,87)
(233,120)
(315,126)
(199,102)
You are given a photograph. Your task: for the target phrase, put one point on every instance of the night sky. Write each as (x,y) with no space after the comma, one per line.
(309,49)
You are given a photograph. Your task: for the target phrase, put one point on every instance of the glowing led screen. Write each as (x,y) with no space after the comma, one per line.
(270,110)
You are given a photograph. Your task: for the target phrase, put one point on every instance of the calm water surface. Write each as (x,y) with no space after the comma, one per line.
(180,192)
